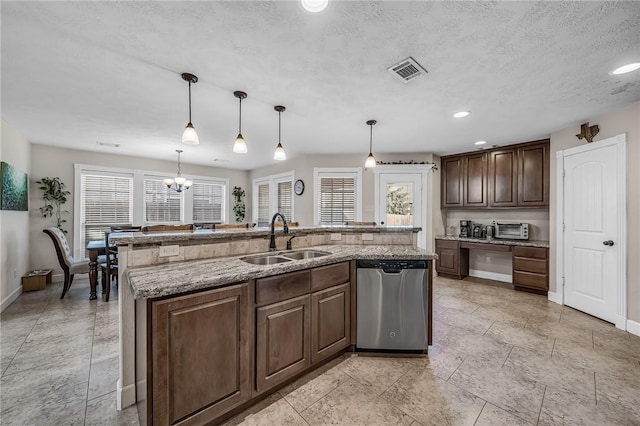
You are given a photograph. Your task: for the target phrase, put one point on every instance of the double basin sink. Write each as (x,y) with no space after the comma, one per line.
(286,256)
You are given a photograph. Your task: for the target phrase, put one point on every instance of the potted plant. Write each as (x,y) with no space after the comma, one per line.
(54,196)
(238,203)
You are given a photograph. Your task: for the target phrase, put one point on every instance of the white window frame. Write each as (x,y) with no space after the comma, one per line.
(138,197)
(336,172)
(273,181)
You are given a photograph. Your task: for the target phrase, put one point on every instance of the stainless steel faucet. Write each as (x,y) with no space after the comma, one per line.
(272,240)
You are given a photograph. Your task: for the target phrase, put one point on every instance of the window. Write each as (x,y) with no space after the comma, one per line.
(337,196)
(208,201)
(106,201)
(161,204)
(273,194)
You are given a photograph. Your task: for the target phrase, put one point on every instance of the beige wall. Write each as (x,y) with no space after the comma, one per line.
(14,225)
(624,120)
(51,161)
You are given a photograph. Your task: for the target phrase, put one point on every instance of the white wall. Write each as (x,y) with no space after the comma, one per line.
(51,161)
(14,225)
(624,120)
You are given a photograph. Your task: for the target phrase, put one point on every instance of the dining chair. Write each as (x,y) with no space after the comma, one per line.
(231,226)
(69,265)
(109,264)
(351,223)
(164,228)
(289,224)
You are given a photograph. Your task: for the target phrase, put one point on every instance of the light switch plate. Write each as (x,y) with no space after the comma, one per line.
(336,237)
(367,237)
(167,251)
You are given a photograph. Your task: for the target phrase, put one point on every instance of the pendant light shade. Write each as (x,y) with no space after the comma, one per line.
(178,183)
(279,154)
(314,6)
(240,147)
(189,136)
(371,161)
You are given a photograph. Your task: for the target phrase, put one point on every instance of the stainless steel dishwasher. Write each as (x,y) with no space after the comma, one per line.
(392,305)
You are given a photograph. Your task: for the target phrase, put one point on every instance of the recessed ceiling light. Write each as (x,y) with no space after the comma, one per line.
(314,6)
(461,114)
(481,142)
(626,68)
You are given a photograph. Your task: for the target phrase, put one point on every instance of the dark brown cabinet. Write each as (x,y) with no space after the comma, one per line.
(512,177)
(330,321)
(503,178)
(531,268)
(200,355)
(450,262)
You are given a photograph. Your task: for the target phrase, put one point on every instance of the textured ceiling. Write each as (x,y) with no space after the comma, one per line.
(74,73)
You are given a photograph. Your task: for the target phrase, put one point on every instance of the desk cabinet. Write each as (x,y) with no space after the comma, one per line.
(531,268)
(453,261)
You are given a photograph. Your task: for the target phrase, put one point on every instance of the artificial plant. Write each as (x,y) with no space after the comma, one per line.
(238,203)
(54,196)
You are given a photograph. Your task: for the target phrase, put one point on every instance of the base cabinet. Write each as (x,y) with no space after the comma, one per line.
(330,321)
(452,260)
(531,268)
(201,355)
(282,341)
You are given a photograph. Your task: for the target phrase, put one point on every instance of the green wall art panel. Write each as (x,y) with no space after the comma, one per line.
(14,192)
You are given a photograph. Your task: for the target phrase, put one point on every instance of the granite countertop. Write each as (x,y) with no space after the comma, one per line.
(503,242)
(123,238)
(180,277)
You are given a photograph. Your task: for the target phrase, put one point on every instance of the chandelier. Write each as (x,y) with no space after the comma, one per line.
(178,183)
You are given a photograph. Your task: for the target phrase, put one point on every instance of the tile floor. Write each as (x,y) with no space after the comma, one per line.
(500,358)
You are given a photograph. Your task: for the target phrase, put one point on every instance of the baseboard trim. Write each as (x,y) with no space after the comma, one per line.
(633,327)
(555,297)
(125,396)
(490,276)
(10,298)
(57,278)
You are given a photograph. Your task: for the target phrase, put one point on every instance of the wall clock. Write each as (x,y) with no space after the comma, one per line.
(298,187)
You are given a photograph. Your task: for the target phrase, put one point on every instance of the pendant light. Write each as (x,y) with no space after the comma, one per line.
(240,147)
(371,161)
(190,137)
(178,183)
(279,154)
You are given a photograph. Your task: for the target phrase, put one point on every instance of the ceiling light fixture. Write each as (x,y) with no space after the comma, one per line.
(239,146)
(279,154)
(178,183)
(626,68)
(481,142)
(314,6)
(371,161)
(461,114)
(190,137)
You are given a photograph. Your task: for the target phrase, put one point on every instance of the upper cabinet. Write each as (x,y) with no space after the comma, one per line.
(515,176)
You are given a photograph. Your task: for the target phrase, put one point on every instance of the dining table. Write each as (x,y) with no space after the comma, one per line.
(95,249)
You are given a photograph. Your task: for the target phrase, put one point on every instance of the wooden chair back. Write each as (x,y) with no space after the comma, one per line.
(351,223)
(289,224)
(165,228)
(126,228)
(231,226)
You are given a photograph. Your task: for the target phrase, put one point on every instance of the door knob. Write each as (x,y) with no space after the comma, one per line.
(608,243)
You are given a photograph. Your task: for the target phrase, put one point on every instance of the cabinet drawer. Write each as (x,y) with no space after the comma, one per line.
(529,279)
(538,266)
(330,275)
(447,244)
(532,252)
(281,287)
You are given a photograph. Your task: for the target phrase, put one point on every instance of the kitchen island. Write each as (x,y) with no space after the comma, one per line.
(169,264)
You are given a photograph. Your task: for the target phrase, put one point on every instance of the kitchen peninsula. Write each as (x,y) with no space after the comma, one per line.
(249,327)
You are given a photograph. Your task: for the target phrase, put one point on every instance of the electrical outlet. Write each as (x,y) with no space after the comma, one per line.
(167,251)
(336,237)
(367,237)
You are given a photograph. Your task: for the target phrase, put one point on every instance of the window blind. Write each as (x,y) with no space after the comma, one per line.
(263,204)
(105,201)
(208,203)
(161,205)
(285,199)
(337,200)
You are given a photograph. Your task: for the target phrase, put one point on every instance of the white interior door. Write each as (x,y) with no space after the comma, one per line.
(400,201)
(593,241)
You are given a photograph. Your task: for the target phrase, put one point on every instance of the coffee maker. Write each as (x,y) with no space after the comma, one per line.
(465,228)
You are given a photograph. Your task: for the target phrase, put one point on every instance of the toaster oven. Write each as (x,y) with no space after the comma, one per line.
(511,231)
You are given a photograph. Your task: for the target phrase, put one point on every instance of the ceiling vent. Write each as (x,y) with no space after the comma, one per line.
(407,69)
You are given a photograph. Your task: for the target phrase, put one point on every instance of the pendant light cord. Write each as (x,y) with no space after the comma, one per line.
(189,102)
(240,119)
(279,134)
(179,172)
(370,138)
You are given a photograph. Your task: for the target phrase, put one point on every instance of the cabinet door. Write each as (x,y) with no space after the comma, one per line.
(533,169)
(503,178)
(330,321)
(475,180)
(282,341)
(200,355)
(451,185)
